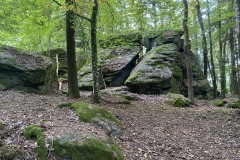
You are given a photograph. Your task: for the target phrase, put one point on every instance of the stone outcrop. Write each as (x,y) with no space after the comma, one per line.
(160,70)
(114,68)
(25,72)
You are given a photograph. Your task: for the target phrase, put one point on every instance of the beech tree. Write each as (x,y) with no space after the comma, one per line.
(73,90)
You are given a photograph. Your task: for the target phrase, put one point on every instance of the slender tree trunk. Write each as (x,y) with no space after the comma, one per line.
(237,11)
(211,53)
(94,52)
(223,69)
(186,51)
(234,82)
(73,90)
(221,55)
(204,39)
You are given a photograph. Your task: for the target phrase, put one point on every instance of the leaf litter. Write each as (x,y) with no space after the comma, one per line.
(152,129)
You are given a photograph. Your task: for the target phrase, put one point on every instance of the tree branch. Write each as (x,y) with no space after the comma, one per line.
(86,18)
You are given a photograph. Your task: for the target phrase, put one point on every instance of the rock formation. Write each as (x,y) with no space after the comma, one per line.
(25,72)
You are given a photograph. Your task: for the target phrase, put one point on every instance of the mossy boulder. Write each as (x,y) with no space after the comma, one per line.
(93,114)
(25,72)
(88,148)
(158,72)
(34,132)
(178,100)
(114,68)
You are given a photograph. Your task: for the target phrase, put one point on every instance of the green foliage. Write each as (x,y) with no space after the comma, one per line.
(219,102)
(234,104)
(34,132)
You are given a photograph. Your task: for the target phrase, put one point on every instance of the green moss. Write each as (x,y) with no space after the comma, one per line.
(90,149)
(234,104)
(34,132)
(219,102)
(87,112)
(174,86)
(177,100)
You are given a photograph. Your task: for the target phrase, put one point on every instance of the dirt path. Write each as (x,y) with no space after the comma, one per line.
(152,129)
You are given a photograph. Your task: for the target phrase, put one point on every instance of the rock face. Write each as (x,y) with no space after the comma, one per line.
(157,72)
(160,70)
(24,72)
(114,68)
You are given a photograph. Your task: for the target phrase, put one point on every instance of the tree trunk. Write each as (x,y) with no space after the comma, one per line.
(204,40)
(186,51)
(94,52)
(221,56)
(211,53)
(73,90)
(234,82)
(237,11)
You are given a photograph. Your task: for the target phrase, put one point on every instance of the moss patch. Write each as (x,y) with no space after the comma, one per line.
(87,112)
(93,114)
(234,104)
(34,132)
(90,149)
(219,102)
(178,100)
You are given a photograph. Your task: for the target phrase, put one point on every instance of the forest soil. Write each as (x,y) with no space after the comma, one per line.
(152,129)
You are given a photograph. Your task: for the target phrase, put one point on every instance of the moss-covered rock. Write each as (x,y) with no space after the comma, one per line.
(219,102)
(89,148)
(93,114)
(234,104)
(178,100)
(124,39)
(25,72)
(114,68)
(158,72)
(34,132)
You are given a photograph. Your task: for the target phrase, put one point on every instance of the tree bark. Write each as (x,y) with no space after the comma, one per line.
(186,51)
(73,90)
(204,39)
(221,56)
(237,11)
(233,76)
(214,82)
(94,52)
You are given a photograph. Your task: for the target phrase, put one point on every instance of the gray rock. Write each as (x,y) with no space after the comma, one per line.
(25,72)
(156,73)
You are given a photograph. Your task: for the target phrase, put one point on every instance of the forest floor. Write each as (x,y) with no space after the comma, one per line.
(152,129)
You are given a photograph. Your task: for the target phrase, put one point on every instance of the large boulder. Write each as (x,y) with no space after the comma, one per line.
(158,72)
(25,72)
(114,67)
